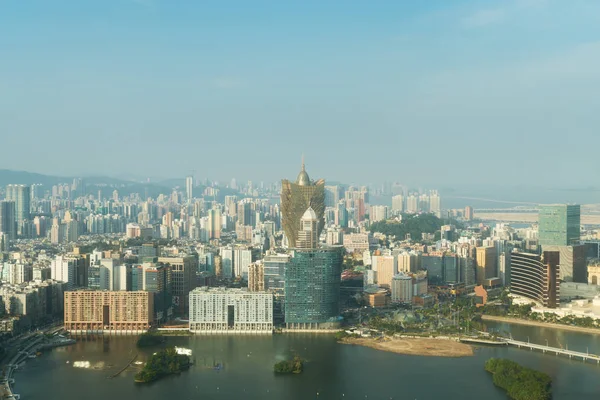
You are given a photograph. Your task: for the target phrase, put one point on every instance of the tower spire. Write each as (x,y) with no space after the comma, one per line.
(302,161)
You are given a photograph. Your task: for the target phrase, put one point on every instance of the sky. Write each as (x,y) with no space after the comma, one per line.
(417,92)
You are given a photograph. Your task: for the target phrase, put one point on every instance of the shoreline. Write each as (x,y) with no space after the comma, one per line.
(427,347)
(538,324)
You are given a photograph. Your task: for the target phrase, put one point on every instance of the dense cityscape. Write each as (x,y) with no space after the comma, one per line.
(210,259)
(297,200)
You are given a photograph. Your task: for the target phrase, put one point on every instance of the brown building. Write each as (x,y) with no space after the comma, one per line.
(108,311)
(376,299)
(486,264)
(536,277)
(183,278)
(256,277)
(469,213)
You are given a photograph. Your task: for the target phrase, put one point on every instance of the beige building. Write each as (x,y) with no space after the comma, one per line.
(486,263)
(593,272)
(386,268)
(356,242)
(107,311)
(408,262)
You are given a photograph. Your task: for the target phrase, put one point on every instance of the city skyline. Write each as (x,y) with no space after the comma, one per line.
(404,80)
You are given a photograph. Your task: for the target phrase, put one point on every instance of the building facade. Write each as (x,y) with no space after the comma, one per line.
(221,310)
(183,280)
(312,288)
(536,277)
(559,224)
(8,223)
(21,196)
(402,288)
(88,311)
(296,198)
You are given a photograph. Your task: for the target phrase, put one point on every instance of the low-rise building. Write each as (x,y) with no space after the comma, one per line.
(95,311)
(221,310)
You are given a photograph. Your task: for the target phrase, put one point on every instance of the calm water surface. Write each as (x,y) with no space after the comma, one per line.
(333,371)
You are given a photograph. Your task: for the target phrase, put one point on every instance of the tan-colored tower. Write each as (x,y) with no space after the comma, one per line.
(296,198)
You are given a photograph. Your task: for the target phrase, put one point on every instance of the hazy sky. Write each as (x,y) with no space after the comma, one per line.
(410,91)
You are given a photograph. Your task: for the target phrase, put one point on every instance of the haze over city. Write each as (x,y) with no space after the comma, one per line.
(268,200)
(424,92)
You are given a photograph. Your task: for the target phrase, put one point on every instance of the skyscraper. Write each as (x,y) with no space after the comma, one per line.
(214,223)
(435,203)
(183,275)
(536,277)
(21,195)
(312,280)
(312,288)
(559,224)
(189,188)
(296,198)
(308,237)
(486,263)
(398,204)
(8,224)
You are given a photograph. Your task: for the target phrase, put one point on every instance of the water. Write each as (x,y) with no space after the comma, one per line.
(333,371)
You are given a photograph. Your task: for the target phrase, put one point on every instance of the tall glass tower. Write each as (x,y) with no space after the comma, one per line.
(559,224)
(21,195)
(296,198)
(312,288)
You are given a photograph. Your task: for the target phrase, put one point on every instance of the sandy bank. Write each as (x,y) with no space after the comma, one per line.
(415,347)
(540,324)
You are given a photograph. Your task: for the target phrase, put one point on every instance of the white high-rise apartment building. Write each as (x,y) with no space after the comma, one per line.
(226,262)
(189,188)
(221,310)
(378,213)
(435,203)
(412,204)
(402,288)
(242,258)
(398,204)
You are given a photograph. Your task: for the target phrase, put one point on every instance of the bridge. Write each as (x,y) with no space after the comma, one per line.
(555,350)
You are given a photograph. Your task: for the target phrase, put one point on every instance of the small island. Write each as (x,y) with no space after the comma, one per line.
(165,362)
(520,383)
(414,346)
(289,367)
(149,339)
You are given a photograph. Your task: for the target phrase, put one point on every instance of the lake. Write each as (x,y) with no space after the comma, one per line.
(333,371)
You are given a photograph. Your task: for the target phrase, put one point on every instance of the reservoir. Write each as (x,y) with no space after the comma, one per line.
(332,370)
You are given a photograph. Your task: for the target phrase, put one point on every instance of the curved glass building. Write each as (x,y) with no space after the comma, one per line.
(536,277)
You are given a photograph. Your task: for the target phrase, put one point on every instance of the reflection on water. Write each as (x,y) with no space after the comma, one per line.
(333,371)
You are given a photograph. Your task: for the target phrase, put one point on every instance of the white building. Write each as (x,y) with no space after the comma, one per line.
(242,258)
(221,310)
(378,213)
(226,262)
(65,268)
(398,204)
(402,288)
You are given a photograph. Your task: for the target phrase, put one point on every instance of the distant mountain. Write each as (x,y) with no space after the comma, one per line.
(8,176)
(93,183)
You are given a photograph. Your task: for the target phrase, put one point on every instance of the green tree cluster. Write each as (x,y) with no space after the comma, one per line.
(163,363)
(290,366)
(415,225)
(520,383)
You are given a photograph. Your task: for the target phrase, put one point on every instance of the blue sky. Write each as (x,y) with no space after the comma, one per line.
(420,92)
